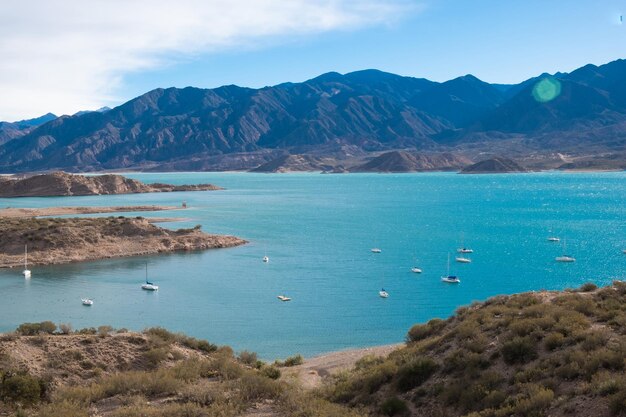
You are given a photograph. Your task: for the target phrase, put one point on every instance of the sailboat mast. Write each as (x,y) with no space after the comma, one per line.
(146,271)
(25,257)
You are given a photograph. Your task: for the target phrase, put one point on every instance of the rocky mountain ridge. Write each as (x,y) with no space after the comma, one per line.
(370,111)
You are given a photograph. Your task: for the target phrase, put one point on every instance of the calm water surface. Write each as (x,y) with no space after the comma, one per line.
(318,231)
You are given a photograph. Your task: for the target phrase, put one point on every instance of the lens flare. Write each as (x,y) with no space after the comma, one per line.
(547,89)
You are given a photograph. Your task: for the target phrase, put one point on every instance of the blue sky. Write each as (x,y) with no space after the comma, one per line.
(106,53)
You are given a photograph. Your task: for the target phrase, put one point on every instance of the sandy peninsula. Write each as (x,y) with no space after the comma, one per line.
(65,211)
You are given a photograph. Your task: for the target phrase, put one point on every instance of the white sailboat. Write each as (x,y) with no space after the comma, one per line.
(463,259)
(376,250)
(283,298)
(149,286)
(26,271)
(565,257)
(554,239)
(415,269)
(87,301)
(266,258)
(382,293)
(451,279)
(463,249)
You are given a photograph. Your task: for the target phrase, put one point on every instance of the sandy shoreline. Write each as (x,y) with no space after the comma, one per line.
(16,212)
(312,372)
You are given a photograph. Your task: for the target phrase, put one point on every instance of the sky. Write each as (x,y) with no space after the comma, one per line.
(63,56)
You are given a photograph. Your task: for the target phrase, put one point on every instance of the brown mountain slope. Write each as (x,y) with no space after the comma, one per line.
(494,166)
(403,161)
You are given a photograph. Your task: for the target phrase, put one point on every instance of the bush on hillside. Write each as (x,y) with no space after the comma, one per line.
(519,350)
(415,373)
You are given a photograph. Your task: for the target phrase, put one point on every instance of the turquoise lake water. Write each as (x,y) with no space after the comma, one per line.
(318,231)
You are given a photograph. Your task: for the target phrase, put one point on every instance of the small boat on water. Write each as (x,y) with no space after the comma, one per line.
(462,248)
(283,298)
(416,270)
(26,272)
(554,239)
(565,257)
(450,279)
(463,260)
(149,286)
(87,301)
(376,250)
(266,259)
(383,294)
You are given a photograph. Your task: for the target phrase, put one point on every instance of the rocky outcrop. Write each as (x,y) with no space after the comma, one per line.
(403,161)
(497,165)
(56,241)
(63,184)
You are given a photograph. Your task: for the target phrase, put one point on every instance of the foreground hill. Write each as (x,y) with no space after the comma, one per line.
(63,184)
(106,373)
(528,355)
(534,354)
(231,127)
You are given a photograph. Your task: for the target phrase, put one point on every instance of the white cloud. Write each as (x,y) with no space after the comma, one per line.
(68,55)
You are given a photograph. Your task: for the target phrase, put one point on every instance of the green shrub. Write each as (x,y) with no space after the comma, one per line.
(31,329)
(422,331)
(588,287)
(21,388)
(64,409)
(415,373)
(161,333)
(104,331)
(617,403)
(65,328)
(251,387)
(605,383)
(155,356)
(554,341)
(248,358)
(394,406)
(537,400)
(291,361)
(271,372)
(205,346)
(519,350)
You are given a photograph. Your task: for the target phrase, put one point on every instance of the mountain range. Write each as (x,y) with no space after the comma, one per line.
(345,121)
